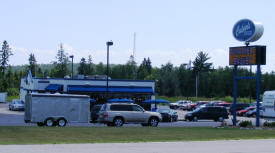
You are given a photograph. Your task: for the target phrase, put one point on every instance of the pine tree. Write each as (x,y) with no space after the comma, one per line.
(131,68)
(90,66)
(61,65)
(5,53)
(39,72)
(32,64)
(200,65)
(82,69)
(10,78)
(144,69)
(148,65)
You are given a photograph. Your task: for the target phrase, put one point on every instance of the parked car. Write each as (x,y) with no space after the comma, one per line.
(192,106)
(117,114)
(199,103)
(95,112)
(16,104)
(252,112)
(255,104)
(225,104)
(215,103)
(182,104)
(239,106)
(215,113)
(168,115)
(243,111)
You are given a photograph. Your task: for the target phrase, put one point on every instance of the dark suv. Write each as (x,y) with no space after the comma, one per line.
(215,113)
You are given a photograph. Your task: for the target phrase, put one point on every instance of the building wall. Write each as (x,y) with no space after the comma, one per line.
(39,84)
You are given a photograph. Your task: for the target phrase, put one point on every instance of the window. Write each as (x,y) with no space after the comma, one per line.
(103,108)
(210,109)
(203,109)
(137,108)
(121,108)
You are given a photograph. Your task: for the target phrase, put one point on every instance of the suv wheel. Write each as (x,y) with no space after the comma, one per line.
(220,119)
(118,122)
(153,122)
(195,118)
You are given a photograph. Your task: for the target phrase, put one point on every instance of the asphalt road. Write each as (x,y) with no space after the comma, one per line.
(16,118)
(228,146)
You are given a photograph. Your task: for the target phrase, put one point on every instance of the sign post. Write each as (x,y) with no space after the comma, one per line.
(247,31)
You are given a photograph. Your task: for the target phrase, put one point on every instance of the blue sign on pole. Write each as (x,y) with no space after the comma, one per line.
(247,31)
(244,30)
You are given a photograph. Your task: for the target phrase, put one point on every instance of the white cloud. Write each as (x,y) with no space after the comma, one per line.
(20,55)
(219,57)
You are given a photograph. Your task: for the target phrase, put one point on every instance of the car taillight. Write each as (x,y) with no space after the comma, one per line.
(105,115)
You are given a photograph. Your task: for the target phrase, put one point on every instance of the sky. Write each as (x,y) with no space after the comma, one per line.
(166,31)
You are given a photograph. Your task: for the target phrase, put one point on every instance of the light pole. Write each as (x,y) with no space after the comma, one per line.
(72,75)
(108,43)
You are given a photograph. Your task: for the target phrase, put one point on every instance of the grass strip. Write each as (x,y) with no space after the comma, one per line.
(55,135)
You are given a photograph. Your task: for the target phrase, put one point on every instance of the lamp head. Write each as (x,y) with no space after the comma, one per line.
(109,43)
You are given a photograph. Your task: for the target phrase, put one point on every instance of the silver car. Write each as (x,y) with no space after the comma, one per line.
(16,104)
(117,114)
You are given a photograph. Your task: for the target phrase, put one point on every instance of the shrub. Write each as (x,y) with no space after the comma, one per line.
(269,124)
(245,124)
(228,99)
(13,92)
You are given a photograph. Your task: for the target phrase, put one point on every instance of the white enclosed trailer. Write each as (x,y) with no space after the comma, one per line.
(269,104)
(56,109)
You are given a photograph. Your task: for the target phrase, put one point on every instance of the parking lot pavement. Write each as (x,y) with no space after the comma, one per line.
(16,118)
(4,109)
(227,146)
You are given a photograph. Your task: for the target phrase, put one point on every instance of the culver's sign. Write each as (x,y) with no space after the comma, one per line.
(247,30)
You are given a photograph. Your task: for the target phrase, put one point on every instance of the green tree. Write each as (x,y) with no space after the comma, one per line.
(39,72)
(186,85)
(10,78)
(148,65)
(83,67)
(5,53)
(168,80)
(131,68)
(101,69)
(32,64)
(90,66)
(46,73)
(61,65)
(144,69)
(200,65)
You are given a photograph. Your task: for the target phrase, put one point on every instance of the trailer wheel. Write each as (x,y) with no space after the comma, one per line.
(49,122)
(61,122)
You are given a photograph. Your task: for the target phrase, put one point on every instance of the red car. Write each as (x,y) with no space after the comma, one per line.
(225,104)
(242,112)
(192,106)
